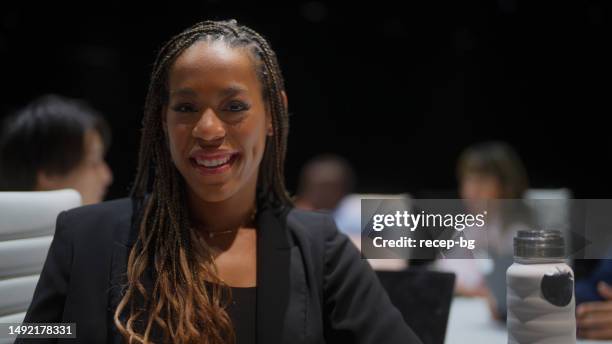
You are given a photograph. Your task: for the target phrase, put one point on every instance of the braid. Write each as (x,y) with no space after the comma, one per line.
(179,304)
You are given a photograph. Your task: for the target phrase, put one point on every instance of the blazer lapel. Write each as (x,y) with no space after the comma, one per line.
(273,275)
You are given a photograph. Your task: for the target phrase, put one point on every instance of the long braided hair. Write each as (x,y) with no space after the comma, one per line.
(178,303)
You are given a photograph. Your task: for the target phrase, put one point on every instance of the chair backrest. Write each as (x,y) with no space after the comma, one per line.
(424,298)
(348,213)
(551,207)
(27,225)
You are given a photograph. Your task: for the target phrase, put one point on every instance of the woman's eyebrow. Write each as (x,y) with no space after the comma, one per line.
(183,92)
(233,90)
(226,92)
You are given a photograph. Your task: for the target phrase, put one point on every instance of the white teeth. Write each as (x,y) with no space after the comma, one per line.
(212,162)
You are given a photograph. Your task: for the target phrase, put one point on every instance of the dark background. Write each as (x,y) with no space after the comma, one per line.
(399,90)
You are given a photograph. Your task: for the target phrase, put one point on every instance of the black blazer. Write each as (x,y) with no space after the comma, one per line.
(312,285)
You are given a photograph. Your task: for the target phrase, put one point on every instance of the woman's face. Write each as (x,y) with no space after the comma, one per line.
(480,186)
(91,177)
(215,120)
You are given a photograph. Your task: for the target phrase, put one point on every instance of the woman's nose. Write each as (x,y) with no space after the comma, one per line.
(209,127)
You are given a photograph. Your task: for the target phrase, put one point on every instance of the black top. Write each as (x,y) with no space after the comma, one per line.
(242,312)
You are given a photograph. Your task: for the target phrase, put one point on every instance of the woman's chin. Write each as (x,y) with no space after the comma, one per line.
(214,193)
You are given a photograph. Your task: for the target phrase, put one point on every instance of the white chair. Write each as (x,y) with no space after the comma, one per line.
(27,225)
(551,207)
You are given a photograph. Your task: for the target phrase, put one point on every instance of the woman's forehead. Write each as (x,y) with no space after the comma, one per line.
(212,63)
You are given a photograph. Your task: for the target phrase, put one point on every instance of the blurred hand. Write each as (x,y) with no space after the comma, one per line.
(594,319)
(480,290)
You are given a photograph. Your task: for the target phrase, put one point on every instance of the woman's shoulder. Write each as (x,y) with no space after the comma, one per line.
(96,223)
(312,226)
(310,221)
(100,213)
(113,207)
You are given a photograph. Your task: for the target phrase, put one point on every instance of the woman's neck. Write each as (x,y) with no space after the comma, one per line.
(231,213)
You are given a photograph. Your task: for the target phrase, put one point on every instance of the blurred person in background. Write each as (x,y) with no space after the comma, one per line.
(486,172)
(594,303)
(494,171)
(56,143)
(324,181)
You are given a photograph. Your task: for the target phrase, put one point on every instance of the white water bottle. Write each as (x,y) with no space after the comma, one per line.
(540,285)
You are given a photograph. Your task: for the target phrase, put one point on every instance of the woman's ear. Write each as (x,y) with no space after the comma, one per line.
(285,102)
(269,128)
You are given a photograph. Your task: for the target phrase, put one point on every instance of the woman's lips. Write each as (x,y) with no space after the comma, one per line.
(213,164)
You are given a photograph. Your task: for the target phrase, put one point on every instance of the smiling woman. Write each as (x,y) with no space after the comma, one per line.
(209,248)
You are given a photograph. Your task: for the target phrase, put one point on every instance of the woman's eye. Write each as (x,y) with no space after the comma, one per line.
(184,108)
(236,106)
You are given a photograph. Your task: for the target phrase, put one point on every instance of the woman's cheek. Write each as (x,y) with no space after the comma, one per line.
(178,140)
(255,135)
